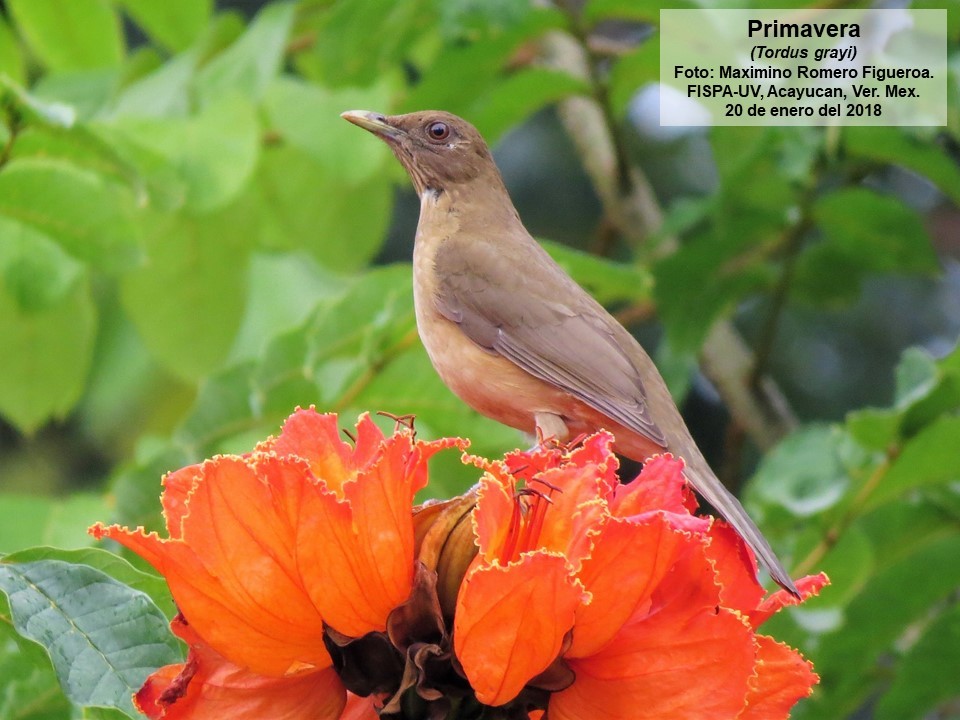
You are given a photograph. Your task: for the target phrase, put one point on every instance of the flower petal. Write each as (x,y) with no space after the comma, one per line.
(736,569)
(783,677)
(682,658)
(356,547)
(316,438)
(808,586)
(177,487)
(628,562)
(491,517)
(511,621)
(234,572)
(361,708)
(210,686)
(659,486)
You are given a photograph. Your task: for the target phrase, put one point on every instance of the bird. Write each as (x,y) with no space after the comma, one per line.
(513,335)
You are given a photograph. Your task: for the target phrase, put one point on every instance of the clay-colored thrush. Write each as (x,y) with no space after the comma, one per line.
(512,334)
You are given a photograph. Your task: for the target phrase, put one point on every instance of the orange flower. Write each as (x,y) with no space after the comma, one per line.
(268,553)
(615,599)
(310,588)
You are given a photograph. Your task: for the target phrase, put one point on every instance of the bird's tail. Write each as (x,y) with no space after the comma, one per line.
(705,482)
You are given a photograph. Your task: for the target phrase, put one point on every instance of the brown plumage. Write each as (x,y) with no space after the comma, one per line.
(512,334)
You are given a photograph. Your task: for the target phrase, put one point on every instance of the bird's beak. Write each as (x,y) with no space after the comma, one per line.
(372,121)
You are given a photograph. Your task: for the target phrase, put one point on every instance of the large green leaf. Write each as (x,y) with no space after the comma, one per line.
(704,280)
(163,93)
(306,204)
(35,270)
(901,147)
(927,675)
(29,689)
(465,73)
(70,34)
(308,117)
(516,97)
(607,280)
(91,217)
(104,638)
(864,232)
(214,151)
(920,575)
(251,63)
(173,23)
(46,356)
(28,520)
(361,40)
(11,57)
(187,302)
(106,562)
(929,458)
(804,473)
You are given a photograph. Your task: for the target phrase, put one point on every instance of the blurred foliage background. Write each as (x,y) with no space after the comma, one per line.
(193,243)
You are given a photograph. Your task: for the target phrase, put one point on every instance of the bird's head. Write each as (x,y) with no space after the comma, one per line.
(439,150)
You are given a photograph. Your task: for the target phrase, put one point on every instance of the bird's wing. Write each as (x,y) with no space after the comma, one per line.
(534,315)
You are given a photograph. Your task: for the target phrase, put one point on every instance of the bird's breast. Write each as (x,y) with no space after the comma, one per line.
(486,381)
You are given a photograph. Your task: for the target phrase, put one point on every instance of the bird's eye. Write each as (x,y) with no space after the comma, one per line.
(438,131)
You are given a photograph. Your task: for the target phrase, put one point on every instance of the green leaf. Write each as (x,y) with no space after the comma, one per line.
(607,280)
(874,428)
(298,367)
(804,473)
(27,520)
(187,302)
(104,638)
(173,23)
(11,56)
(108,563)
(46,358)
(284,289)
(638,10)
(29,689)
(304,204)
(36,272)
(100,713)
(863,233)
(253,61)
(215,151)
(136,487)
(916,377)
(91,218)
(308,117)
(922,575)
(927,675)
(900,147)
(928,458)
(633,71)
(77,94)
(70,34)
(723,268)
(517,96)
(363,39)
(463,75)
(164,93)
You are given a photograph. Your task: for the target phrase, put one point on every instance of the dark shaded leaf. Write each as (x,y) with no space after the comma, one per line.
(108,563)
(104,638)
